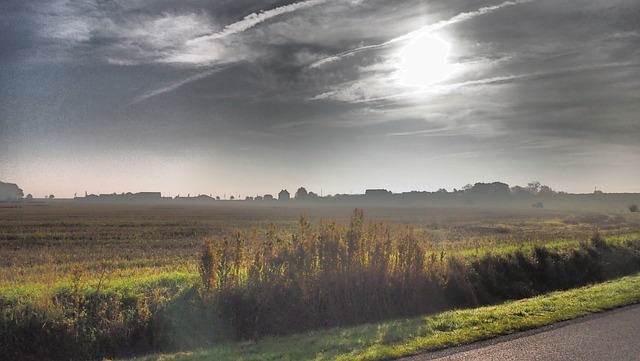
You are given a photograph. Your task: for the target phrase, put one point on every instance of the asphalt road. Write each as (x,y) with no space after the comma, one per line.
(609,336)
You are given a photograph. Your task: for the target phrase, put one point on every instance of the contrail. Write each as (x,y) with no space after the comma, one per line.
(248,22)
(437,26)
(468,15)
(498,80)
(177,85)
(254,19)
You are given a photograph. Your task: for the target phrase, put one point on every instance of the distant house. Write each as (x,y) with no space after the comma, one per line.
(202,198)
(10,192)
(149,196)
(377,193)
(142,197)
(267,197)
(284,195)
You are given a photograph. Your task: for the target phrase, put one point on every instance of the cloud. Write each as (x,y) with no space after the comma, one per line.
(161,38)
(469,15)
(540,82)
(254,19)
(91,30)
(67,22)
(142,34)
(177,85)
(437,26)
(520,61)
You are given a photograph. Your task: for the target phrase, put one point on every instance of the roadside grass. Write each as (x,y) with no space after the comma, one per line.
(394,339)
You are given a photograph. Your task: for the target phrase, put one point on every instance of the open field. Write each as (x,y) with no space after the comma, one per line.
(41,244)
(103,273)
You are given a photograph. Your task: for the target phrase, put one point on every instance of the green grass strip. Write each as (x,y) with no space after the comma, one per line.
(141,284)
(389,340)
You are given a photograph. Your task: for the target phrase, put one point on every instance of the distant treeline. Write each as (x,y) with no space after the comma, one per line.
(493,190)
(534,194)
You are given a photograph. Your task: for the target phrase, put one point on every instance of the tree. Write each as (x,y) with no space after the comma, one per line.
(494,189)
(301,193)
(520,191)
(545,190)
(534,187)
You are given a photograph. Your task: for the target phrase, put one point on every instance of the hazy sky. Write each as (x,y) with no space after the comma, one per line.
(248,97)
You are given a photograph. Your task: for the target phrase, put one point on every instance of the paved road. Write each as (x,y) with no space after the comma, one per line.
(609,336)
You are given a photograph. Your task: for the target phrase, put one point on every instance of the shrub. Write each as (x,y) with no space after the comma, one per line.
(334,275)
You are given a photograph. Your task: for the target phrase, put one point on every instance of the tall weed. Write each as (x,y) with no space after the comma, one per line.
(333,275)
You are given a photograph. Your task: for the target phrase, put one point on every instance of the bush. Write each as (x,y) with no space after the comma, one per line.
(78,326)
(337,275)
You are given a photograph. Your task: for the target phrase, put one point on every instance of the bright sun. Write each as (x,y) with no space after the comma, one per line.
(423,61)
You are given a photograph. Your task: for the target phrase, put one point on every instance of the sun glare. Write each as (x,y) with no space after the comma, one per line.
(423,61)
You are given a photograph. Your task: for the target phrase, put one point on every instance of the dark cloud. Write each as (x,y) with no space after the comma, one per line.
(588,104)
(270,84)
(16,36)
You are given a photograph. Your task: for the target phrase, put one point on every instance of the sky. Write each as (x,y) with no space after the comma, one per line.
(244,97)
